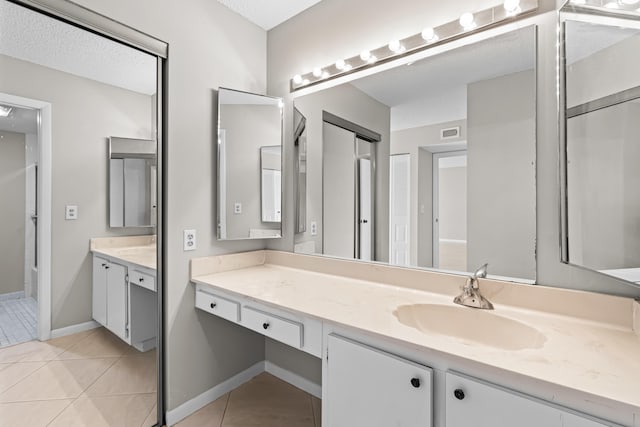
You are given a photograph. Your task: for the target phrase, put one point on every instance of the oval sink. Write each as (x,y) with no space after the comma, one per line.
(470,325)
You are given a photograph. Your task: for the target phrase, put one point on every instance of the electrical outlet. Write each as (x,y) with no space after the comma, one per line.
(314,228)
(237,208)
(71,212)
(189,240)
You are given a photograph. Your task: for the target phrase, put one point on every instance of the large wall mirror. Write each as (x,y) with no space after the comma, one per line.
(429,164)
(249,165)
(132,182)
(600,100)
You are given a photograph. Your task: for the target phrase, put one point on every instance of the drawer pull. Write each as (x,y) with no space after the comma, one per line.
(213,305)
(459,393)
(415,382)
(265,325)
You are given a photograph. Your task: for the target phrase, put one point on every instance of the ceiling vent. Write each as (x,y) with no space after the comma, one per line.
(450,133)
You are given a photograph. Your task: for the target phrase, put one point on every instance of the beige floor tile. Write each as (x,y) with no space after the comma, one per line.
(31,414)
(132,351)
(61,379)
(100,344)
(316,404)
(267,401)
(211,415)
(12,373)
(152,418)
(106,411)
(36,351)
(129,375)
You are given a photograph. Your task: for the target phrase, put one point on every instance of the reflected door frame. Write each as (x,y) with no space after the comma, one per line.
(435,218)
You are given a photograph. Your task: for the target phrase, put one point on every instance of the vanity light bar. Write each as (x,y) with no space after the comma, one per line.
(467,23)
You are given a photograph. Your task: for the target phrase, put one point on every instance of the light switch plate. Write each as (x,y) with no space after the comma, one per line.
(189,240)
(71,212)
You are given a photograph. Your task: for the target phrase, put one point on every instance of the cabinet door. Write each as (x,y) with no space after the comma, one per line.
(472,403)
(117,300)
(369,388)
(99,296)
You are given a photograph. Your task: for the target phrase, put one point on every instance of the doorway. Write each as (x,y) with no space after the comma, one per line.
(450,210)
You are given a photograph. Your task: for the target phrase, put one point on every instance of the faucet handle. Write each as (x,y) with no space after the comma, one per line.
(480,273)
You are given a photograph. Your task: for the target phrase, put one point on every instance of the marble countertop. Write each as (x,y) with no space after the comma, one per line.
(137,250)
(592,341)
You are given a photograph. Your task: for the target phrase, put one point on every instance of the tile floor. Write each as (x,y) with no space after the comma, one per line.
(87,379)
(265,401)
(18,320)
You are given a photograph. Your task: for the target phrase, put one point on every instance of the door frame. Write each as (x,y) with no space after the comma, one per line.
(43,226)
(435,203)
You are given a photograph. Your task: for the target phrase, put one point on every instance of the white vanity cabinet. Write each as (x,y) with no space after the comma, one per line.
(471,402)
(124,301)
(366,387)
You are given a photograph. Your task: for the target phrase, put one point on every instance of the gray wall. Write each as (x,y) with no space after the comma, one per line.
(12,200)
(501,175)
(84,113)
(248,127)
(351,104)
(413,142)
(210,46)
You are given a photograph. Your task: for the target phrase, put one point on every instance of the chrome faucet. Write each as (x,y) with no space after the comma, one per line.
(470,295)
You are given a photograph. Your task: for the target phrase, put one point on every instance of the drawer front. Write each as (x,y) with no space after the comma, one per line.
(278,328)
(138,278)
(221,307)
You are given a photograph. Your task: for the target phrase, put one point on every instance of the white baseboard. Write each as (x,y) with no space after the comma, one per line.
(74,329)
(294,379)
(189,407)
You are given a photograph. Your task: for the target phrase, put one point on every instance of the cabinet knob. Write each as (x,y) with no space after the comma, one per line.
(458,393)
(415,382)
(213,305)
(106,267)
(265,325)
(141,279)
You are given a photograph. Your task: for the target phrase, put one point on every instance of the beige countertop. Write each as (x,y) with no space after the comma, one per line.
(137,250)
(589,343)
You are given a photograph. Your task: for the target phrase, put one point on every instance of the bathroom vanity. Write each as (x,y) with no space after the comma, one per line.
(124,288)
(396,351)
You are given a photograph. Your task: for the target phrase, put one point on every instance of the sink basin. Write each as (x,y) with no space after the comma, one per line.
(470,325)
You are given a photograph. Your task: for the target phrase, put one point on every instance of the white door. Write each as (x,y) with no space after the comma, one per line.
(370,388)
(365,226)
(472,403)
(339,185)
(399,209)
(99,297)
(117,300)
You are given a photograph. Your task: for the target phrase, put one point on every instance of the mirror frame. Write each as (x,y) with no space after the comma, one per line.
(568,12)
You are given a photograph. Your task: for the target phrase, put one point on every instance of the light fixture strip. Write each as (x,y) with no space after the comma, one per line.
(483,20)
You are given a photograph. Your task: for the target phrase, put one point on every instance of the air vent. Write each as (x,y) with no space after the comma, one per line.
(450,133)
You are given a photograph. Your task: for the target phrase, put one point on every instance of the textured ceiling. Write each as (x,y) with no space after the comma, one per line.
(36,38)
(268,13)
(433,90)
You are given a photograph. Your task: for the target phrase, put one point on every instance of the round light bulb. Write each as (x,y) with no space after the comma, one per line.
(429,35)
(340,64)
(511,6)
(395,46)
(317,72)
(297,79)
(467,20)
(325,74)
(365,55)
(347,67)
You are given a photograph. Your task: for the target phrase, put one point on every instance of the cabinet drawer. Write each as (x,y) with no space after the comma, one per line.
(138,278)
(278,328)
(215,304)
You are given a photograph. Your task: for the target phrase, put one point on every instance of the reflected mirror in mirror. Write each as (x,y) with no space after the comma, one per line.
(249,165)
(430,164)
(132,182)
(601,147)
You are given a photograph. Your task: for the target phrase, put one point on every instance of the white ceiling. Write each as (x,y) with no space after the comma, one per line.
(268,13)
(20,120)
(36,38)
(433,90)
